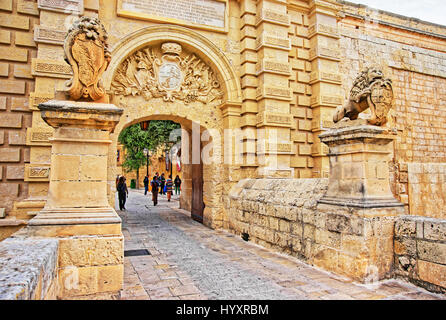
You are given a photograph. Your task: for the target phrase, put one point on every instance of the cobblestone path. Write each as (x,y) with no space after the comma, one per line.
(190,261)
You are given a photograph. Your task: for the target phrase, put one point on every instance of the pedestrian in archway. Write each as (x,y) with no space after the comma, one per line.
(169,186)
(146,185)
(162,182)
(177,183)
(154,184)
(123,192)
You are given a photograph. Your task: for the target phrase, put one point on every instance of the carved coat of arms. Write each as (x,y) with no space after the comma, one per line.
(86,50)
(167,73)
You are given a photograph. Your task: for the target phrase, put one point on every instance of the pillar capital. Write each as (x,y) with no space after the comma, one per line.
(100,116)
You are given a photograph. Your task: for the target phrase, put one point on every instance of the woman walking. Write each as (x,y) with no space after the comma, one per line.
(169,186)
(123,192)
(177,183)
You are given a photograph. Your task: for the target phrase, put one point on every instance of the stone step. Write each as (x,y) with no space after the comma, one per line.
(22,209)
(10,225)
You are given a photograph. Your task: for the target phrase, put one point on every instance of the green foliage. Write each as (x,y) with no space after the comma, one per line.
(136,140)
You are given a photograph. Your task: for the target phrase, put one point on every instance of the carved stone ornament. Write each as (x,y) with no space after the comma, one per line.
(86,50)
(370,90)
(166,72)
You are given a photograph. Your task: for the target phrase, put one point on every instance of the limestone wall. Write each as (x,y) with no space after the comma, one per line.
(18,19)
(276,213)
(420,251)
(413,54)
(287,218)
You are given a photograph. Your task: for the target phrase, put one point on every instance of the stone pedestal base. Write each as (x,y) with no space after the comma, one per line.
(363,249)
(77,212)
(359,193)
(359,171)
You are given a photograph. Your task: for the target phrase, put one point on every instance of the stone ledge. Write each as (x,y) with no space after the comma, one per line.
(28,268)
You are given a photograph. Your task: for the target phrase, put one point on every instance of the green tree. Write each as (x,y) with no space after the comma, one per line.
(136,140)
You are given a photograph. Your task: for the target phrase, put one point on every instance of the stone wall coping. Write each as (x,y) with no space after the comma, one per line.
(423,219)
(80,107)
(405,19)
(26,266)
(357,132)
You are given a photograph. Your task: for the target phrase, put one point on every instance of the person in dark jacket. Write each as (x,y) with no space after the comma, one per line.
(162,182)
(123,192)
(146,185)
(177,183)
(154,184)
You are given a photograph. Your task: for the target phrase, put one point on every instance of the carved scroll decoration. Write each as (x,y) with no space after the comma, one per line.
(166,73)
(86,50)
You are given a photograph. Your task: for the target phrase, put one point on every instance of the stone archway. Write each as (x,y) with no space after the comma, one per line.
(173,73)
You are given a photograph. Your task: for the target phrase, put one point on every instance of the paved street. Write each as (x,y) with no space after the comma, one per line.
(190,261)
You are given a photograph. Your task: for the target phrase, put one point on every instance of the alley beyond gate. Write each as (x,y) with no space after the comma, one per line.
(190,261)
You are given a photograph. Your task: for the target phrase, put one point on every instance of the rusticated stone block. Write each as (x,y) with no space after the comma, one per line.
(14,21)
(2,137)
(17,138)
(405,227)
(19,104)
(11,120)
(432,252)
(432,273)
(14,54)
(10,155)
(405,246)
(435,229)
(3,103)
(110,278)
(4,70)
(330,239)
(24,39)
(15,172)
(9,189)
(22,71)
(5,36)
(27,7)
(6,5)
(91,251)
(12,86)
(344,224)
(75,281)
(285,213)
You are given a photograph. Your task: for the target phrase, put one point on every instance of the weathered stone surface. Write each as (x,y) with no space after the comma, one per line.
(344,224)
(432,273)
(27,268)
(405,227)
(435,229)
(91,251)
(432,252)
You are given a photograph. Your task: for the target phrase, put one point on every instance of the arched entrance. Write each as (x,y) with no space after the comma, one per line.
(196,173)
(173,73)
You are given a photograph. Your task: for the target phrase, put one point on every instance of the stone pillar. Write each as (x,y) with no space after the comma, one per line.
(77,210)
(325,79)
(273,93)
(359,204)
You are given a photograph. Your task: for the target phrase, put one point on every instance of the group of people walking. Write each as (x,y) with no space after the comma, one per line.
(159,184)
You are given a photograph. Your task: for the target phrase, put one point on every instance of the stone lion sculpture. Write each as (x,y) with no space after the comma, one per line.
(370,90)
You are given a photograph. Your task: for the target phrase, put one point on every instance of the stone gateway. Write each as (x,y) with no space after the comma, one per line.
(306,126)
